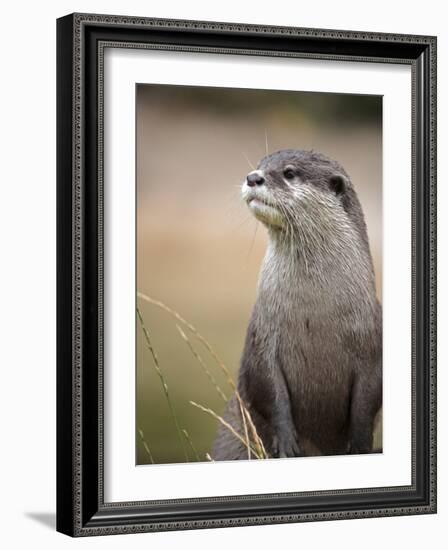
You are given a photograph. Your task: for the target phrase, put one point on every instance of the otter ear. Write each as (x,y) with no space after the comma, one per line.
(337,184)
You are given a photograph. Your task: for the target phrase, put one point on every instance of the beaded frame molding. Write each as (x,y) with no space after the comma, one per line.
(81,40)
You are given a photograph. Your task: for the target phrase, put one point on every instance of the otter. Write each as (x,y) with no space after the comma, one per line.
(311,369)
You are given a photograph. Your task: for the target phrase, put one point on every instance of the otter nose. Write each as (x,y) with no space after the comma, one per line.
(254,179)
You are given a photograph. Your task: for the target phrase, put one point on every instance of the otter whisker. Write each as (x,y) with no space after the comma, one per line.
(241,224)
(288,228)
(248,161)
(234,208)
(253,241)
(290,233)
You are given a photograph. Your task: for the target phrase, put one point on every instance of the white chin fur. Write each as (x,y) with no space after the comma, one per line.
(265,213)
(257,197)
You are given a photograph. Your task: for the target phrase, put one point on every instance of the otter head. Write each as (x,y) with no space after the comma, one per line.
(295,189)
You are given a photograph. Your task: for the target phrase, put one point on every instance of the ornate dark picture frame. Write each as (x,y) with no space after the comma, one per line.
(81,509)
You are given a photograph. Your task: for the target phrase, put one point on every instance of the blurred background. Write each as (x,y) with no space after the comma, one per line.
(198,248)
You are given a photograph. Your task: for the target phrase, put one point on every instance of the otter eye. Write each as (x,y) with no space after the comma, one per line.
(289,174)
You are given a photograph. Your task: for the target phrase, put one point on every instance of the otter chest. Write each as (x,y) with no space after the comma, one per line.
(301,327)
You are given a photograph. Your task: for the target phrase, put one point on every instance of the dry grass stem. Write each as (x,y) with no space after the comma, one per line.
(202,363)
(197,334)
(261,451)
(145,445)
(226,425)
(190,442)
(162,381)
(246,433)
(257,439)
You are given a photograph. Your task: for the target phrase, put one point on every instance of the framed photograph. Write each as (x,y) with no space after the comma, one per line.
(246,274)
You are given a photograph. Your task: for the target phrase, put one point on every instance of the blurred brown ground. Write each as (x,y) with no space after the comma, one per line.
(199,250)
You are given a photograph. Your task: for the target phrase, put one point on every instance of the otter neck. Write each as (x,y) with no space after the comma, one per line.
(336,260)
